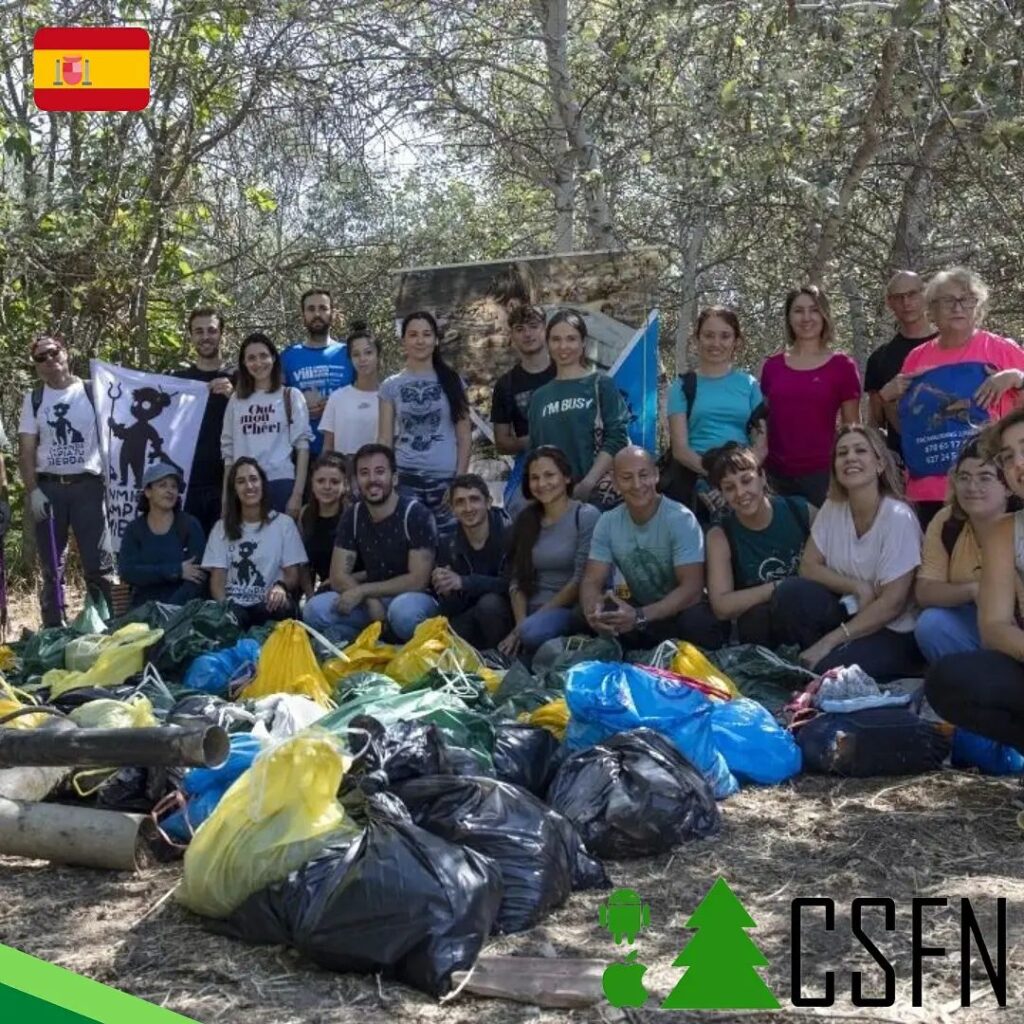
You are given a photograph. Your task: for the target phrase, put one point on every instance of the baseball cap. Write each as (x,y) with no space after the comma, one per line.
(159,471)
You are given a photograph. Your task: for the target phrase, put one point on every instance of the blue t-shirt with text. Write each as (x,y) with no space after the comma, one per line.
(318,371)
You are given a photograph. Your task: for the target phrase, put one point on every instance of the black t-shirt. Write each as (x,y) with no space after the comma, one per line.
(511,398)
(384,546)
(883,364)
(319,544)
(208,463)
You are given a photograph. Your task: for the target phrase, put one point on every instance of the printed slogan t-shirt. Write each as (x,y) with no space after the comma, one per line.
(254,562)
(66,428)
(424,432)
(317,372)
(956,417)
(257,426)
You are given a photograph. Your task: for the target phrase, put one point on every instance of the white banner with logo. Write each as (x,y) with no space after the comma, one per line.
(142,419)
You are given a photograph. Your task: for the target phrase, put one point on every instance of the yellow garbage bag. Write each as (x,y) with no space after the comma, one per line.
(436,645)
(365,654)
(287,665)
(689,661)
(134,713)
(123,655)
(14,700)
(553,716)
(279,814)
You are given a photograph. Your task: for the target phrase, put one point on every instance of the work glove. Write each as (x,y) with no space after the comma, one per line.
(40,505)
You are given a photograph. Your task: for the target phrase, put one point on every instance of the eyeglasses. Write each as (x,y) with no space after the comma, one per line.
(947,303)
(47,356)
(904,296)
(981,479)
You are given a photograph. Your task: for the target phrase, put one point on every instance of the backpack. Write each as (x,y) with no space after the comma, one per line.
(405,519)
(951,530)
(36,397)
(675,480)
(728,524)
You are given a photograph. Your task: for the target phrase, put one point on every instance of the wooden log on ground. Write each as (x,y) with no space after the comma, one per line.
(169,746)
(538,980)
(75,835)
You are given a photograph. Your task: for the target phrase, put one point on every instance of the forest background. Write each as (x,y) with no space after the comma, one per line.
(755,144)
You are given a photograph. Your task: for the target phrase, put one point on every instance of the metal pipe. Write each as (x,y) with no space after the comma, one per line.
(170,746)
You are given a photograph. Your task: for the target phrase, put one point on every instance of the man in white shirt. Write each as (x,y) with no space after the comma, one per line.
(61,466)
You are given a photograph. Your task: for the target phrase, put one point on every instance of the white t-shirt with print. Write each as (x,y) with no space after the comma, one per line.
(351,415)
(255,561)
(66,428)
(890,549)
(257,426)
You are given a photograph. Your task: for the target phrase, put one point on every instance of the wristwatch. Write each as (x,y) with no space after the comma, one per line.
(640,622)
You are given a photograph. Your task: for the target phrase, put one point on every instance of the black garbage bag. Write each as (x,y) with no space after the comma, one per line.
(540,854)
(403,750)
(71,699)
(526,755)
(138,790)
(394,899)
(634,795)
(467,762)
(195,708)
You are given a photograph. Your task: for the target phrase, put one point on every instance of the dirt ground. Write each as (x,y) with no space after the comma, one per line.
(950,834)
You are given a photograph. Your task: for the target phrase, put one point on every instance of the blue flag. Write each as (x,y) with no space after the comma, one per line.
(635,373)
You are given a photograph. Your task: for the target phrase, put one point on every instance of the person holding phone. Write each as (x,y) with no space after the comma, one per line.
(657,546)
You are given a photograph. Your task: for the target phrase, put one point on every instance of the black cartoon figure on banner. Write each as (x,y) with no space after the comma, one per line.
(62,428)
(140,441)
(248,574)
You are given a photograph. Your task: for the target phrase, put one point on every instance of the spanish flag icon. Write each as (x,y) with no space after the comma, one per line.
(91,68)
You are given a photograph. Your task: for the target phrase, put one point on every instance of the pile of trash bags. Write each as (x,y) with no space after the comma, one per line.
(387,808)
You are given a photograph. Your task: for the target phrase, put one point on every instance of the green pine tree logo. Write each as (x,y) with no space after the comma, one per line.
(721,959)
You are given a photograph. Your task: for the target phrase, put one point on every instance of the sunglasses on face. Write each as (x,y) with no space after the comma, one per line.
(43,357)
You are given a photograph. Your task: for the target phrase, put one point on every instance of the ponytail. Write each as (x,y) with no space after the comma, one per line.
(525,534)
(450,381)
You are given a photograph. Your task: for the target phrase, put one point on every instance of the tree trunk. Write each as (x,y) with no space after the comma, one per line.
(691,246)
(871,138)
(563,183)
(859,341)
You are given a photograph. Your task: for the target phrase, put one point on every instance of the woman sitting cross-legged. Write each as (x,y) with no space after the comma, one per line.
(548,552)
(162,548)
(318,521)
(947,582)
(757,545)
(983,691)
(254,554)
(865,545)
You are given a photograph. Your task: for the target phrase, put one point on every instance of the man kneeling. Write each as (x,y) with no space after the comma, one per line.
(657,546)
(394,538)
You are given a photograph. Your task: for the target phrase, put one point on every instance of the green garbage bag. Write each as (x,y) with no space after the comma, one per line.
(461,726)
(521,691)
(554,658)
(93,616)
(762,674)
(469,688)
(358,683)
(44,650)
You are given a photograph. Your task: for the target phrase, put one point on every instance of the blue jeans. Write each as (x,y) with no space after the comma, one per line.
(405,612)
(942,631)
(538,628)
(280,492)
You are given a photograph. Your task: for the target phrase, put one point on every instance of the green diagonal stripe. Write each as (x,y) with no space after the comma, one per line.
(35,992)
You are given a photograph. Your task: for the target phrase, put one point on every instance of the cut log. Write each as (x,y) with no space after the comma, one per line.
(75,835)
(538,980)
(169,746)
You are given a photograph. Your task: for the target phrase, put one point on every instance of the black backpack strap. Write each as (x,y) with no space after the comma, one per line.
(951,530)
(37,400)
(181,528)
(90,393)
(689,382)
(288,406)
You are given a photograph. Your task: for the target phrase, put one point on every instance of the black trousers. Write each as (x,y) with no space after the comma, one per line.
(696,624)
(804,611)
(484,624)
(259,615)
(982,691)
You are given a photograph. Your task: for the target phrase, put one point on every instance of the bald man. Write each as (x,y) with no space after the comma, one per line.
(882,379)
(657,546)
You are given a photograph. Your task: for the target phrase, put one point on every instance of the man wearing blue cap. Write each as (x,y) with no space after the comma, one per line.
(162,549)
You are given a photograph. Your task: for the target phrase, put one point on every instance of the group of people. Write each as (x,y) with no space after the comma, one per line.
(780,517)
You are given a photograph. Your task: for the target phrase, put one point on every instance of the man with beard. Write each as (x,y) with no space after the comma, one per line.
(318,365)
(658,547)
(394,539)
(512,392)
(470,577)
(206,480)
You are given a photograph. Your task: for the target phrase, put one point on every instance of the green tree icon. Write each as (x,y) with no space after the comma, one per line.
(721,959)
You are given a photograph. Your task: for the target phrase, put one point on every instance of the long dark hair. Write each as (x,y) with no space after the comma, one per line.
(574,318)
(246,385)
(450,381)
(310,514)
(526,531)
(232,516)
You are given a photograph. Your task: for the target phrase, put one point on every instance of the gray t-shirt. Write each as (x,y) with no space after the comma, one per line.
(424,431)
(561,551)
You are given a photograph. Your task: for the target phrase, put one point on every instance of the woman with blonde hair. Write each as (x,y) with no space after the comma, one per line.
(807,389)
(983,382)
(852,603)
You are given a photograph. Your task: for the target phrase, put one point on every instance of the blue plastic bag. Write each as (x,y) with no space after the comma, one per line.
(973,751)
(755,747)
(204,787)
(212,673)
(606,698)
